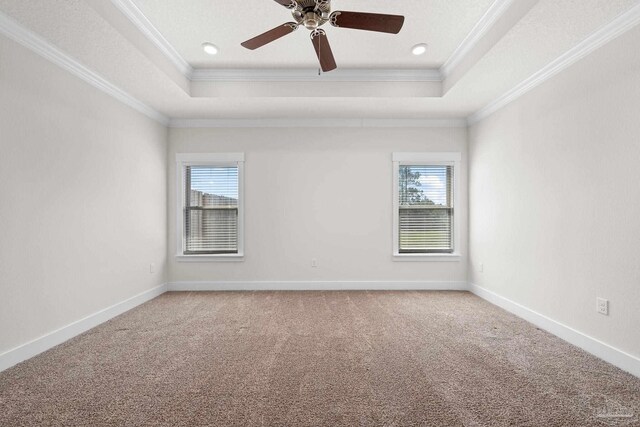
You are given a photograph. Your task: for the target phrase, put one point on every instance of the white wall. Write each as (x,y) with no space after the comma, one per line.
(317,193)
(555,196)
(82,198)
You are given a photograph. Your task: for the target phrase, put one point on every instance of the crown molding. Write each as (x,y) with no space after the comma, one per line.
(318,123)
(38,45)
(497,9)
(142,23)
(604,35)
(311,75)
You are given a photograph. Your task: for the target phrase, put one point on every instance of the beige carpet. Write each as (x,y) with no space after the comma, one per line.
(317,359)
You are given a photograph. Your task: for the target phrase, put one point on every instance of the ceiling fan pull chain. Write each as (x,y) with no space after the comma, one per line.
(319,56)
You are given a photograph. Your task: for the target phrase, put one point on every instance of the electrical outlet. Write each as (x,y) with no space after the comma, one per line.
(602,306)
(152,268)
(481,268)
(314,262)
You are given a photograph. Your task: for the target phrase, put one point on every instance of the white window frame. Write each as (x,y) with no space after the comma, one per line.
(419,159)
(208,159)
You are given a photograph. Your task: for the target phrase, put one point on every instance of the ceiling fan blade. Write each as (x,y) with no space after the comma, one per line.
(270,35)
(368,21)
(323,50)
(289,4)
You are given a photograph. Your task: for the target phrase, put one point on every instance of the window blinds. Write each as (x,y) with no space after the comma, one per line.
(211,210)
(426,209)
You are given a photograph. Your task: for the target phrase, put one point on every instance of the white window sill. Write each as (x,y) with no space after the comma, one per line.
(427,257)
(210,258)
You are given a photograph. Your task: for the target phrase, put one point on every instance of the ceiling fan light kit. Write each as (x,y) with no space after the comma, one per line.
(312,14)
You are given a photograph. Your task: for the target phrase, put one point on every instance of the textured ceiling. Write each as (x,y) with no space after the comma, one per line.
(443,24)
(549,30)
(98,35)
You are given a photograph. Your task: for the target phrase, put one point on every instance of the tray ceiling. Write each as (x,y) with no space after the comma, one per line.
(187,24)
(480,51)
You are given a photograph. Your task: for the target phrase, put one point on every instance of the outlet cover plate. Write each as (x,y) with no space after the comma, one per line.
(602,306)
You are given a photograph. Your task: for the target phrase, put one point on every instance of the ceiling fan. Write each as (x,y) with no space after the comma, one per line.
(315,13)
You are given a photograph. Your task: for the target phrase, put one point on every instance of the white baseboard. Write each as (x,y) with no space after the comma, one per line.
(616,357)
(32,348)
(317,286)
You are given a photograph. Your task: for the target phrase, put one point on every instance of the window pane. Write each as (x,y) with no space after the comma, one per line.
(425,185)
(426,209)
(425,230)
(211,211)
(212,231)
(213,186)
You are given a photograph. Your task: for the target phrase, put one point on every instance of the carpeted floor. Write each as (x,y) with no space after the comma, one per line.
(317,359)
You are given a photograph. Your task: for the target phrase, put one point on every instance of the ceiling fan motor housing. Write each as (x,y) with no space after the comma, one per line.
(312,13)
(315,13)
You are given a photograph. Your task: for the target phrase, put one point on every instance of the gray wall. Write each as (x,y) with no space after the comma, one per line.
(555,196)
(317,193)
(83,209)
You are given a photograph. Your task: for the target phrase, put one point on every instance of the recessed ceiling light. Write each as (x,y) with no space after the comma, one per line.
(210,48)
(419,49)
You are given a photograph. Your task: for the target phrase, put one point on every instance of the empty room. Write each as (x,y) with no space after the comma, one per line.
(320,213)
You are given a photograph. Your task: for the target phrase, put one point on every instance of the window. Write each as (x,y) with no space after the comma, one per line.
(425,220)
(210,210)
